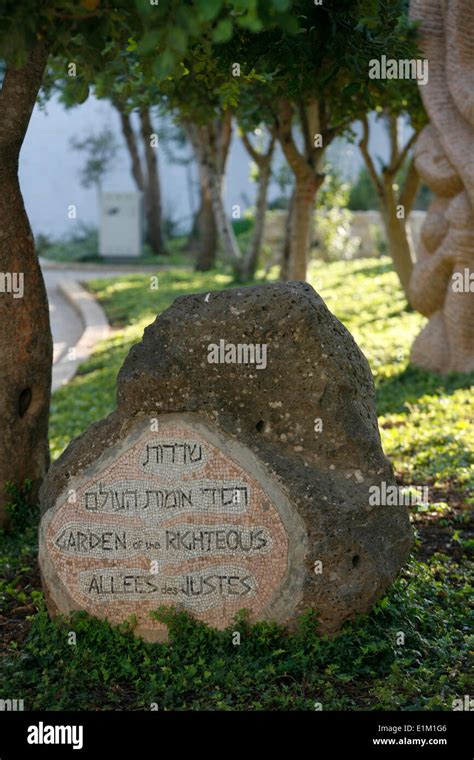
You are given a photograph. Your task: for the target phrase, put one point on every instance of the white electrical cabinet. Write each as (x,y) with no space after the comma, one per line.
(121,225)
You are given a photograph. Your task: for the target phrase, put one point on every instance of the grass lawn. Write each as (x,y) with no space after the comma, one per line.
(427,430)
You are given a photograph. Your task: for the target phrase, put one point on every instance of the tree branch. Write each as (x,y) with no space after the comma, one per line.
(364,149)
(285,135)
(393,134)
(224,136)
(410,188)
(259,158)
(330,133)
(315,118)
(405,151)
(18,96)
(254,154)
(271,145)
(130,139)
(305,128)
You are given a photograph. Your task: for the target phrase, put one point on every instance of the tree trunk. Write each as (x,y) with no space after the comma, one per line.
(308,179)
(211,145)
(285,254)
(225,230)
(410,188)
(130,140)
(399,249)
(264,163)
(252,256)
(223,132)
(396,231)
(147,184)
(153,191)
(206,227)
(26,349)
(397,238)
(301,223)
(192,242)
(265,172)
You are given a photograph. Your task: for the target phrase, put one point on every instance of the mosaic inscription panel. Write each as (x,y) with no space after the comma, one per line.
(173,519)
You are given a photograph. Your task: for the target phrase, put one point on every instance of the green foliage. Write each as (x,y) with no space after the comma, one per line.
(184,54)
(100,150)
(21,512)
(201,668)
(82,244)
(333,192)
(363,195)
(283,178)
(242,225)
(329,56)
(390,24)
(18,548)
(425,418)
(333,220)
(88,33)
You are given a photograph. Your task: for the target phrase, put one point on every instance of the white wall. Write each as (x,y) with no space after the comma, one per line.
(49,168)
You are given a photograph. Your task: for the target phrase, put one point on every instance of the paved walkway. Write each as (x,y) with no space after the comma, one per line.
(66,324)
(77,321)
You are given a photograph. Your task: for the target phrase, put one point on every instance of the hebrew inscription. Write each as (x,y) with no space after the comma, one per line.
(152,499)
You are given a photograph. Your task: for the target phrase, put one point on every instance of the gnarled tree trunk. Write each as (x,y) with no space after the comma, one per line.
(397,238)
(305,164)
(206,227)
(285,254)
(130,140)
(146,177)
(396,230)
(26,350)
(153,191)
(211,147)
(301,224)
(264,163)
(214,142)
(251,258)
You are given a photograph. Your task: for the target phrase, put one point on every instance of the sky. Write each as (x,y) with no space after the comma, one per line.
(50,169)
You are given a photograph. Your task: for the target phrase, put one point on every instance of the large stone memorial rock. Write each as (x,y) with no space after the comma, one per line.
(234,473)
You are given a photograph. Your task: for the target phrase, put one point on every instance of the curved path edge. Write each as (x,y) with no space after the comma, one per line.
(96,328)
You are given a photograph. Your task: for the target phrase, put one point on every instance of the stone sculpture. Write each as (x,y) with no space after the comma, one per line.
(442,282)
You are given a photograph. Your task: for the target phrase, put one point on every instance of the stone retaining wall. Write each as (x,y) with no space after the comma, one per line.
(365,225)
